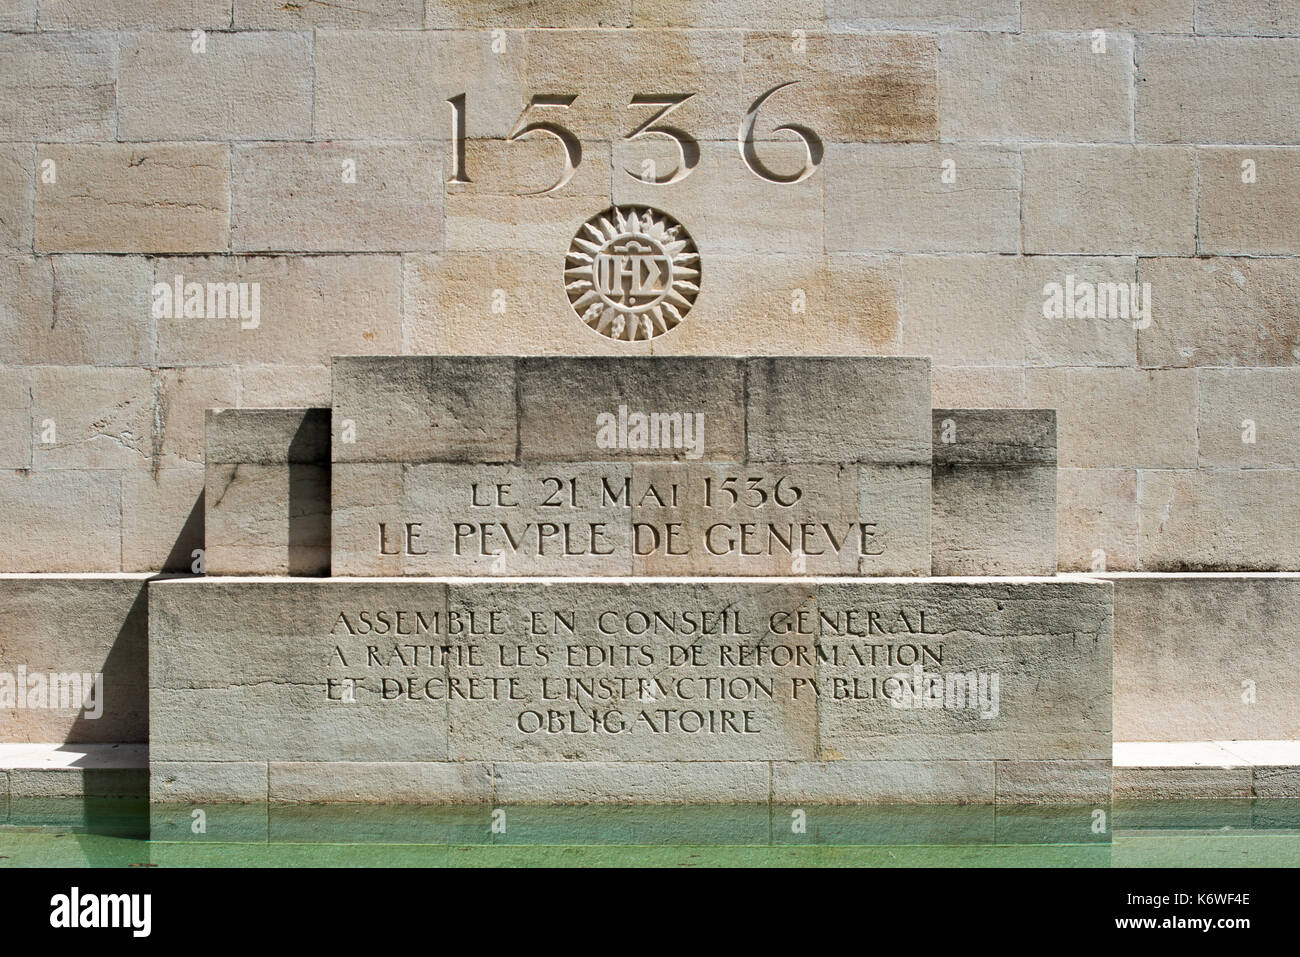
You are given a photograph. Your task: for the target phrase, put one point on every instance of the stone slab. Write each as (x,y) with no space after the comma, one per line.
(596,690)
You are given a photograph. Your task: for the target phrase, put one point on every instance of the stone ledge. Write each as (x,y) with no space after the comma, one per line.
(1165,770)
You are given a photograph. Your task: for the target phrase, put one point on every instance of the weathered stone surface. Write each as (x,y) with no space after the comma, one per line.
(1172,784)
(1221,312)
(1248,418)
(893,197)
(1149,416)
(850,87)
(209,782)
(394,782)
(134,198)
(818,409)
(1261,18)
(162,519)
(1110,199)
(284,386)
(181,399)
(15,419)
(923,14)
(101,686)
(267,492)
(100,315)
(1053,782)
(16,196)
(1260,217)
(281,309)
(1211,520)
(884,782)
(993,506)
(277,15)
(57,87)
(994,310)
(254,85)
(425,409)
(1151,16)
(1097,519)
(1035,86)
(956,387)
(1206,657)
(1191,90)
(87,417)
(294,196)
(668,676)
(71,520)
(535,13)
(149,14)
(18,15)
(561,402)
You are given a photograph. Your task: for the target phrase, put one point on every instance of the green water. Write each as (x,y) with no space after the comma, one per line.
(116,833)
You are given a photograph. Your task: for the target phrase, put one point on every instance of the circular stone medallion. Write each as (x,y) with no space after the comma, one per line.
(632,273)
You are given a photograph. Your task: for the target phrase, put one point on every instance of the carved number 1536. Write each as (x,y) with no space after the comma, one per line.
(688,148)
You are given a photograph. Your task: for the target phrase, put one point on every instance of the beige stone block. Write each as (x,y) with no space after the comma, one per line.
(162,519)
(534,13)
(391,782)
(1134,16)
(301,310)
(452,304)
(92,418)
(127,14)
(26,305)
(293,196)
(1116,418)
(1198,90)
(101,314)
(1184,646)
(15,419)
(267,519)
(778,217)
(1256,218)
(923,14)
(284,386)
(363,495)
(894,198)
(627,782)
(894,504)
(649,61)
(71,521)
(1097,519)
(1248,418)
(16,166)
(56,87)
(506,204)
(1035,86)
(374,84)
(849,87)
(1221,312)
(694,14)
(974,387)
(884,782)
(561,399)
(993,310)
(1252,18)
(135,198)
(255,85)
(1053,782)
(1219,520)
(1110,199)
(182,397)
(278,15)
(209,782)
(18,15)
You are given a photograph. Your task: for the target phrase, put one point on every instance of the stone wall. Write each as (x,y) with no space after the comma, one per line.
(970,156)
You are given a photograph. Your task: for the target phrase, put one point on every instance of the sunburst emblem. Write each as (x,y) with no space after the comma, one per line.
(632,273)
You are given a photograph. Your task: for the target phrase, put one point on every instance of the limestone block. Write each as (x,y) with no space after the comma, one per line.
(1248,418)
(1116,418)
(1156,16)
(182,397)
(57,87)
(79,684)
(1202,90)
(538,13)
(162,519)
(1110,199)
(16,196)
(1097,519)
(88,417)
(627,782)
(15,419)
(923,15)
(127,14)
(994,496)
(1054,782)
(134,198)
(1221,312)
(253,85)
(275,15)
(294,196)
(395,782)
(71,520)
(1252,18)
(884,782)
(893,197)
(1245,520)
(101,314)
(267,492)
(18,15)
(1260,217)
(1035,86)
